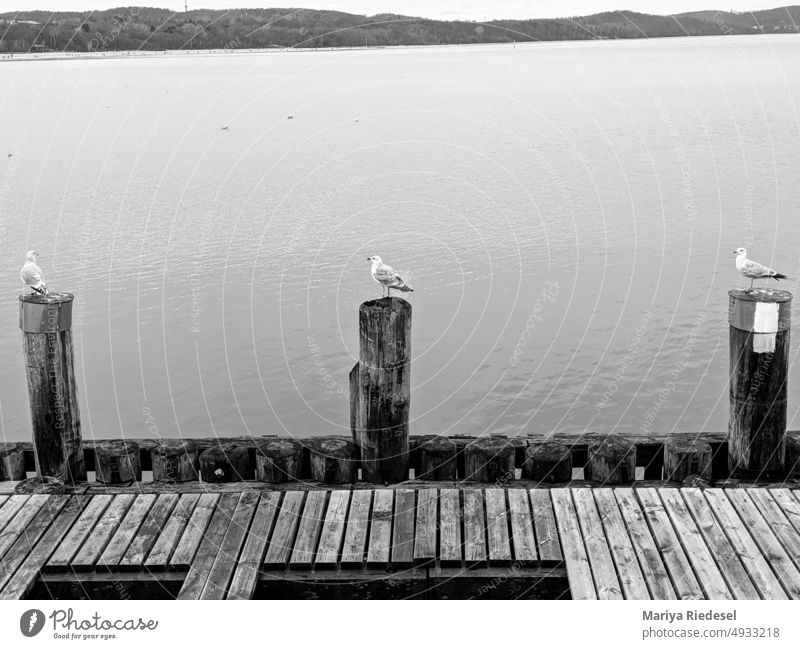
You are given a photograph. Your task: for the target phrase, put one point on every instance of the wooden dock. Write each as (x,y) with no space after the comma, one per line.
(465,542)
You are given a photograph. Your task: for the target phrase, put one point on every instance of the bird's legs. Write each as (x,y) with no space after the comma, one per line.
(750,290)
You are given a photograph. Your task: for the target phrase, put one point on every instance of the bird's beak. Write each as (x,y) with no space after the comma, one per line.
(369,258)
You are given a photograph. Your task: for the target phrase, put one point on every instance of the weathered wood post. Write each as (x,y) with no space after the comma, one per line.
(117,461)
(46,323)
(759,361)
(381,389)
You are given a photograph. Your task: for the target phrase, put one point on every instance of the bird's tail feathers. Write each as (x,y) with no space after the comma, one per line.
(779,276)
(405,288)
(39,289)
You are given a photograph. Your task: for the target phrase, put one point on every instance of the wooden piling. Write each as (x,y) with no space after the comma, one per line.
(759,324)
(489,459)
(12,461)
(380,405)
(279,460)
(612,460)
(175,461)
(228,462)
(684,457)
(436,458)
(332,460)
(117,462)
(46,324)
(548,462)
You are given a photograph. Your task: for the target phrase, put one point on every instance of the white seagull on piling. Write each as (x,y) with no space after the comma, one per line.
(387,277)
(752,269)
(32,275)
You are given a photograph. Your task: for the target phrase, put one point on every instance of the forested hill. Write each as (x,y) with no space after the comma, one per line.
(135,28)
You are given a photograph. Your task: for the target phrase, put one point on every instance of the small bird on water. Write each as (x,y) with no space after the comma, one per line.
(752,269)
(387,277)
(32,275)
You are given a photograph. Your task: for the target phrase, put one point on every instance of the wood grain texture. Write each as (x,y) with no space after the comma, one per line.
(544,523)
(161,552)
(61,559)
(720,547)
(604,571)
(653,568)
(754,563)
(499,542)
(380,529)
(629,572)
(21,519)
(522,534)
(426,527)
(579,572)
(145,538)
(114,552)
(193,535)
(403,528)
(449,528)
(355,538)
(475,548)
(282,541)
(305,545)
(778,522)
(199,571)
(221,573)
(330,541)
(244,581)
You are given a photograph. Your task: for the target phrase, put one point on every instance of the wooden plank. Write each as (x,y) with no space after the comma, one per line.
(475,552)
(678,566)
(522,536)
(228,555)
(778,522)
(705,567)
(355,537)
(20,520)
(280,546)
(380,533)
(244,581)
(544,525)
(497,528)
(213,537)
(330,541)
(144,540)
(25,577)
(125,533)
(65,552)
(449,528)
(427,520)
(783,567)
(753,561)
(720,547)
(653,568)
(790,506)
(161,552)
(305,545)
(604,571)
(403,528)
(195,530)
(629,571)
(12,505)
(579,572)
(33,531)
(3,499)
(86,558)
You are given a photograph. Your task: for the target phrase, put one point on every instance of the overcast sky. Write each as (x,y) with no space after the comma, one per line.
(441,9)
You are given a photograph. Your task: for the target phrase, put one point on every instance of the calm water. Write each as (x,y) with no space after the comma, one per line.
(565,212)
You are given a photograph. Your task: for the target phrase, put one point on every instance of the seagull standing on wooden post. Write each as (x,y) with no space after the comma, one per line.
(387,277)
(32,275)
(752,269)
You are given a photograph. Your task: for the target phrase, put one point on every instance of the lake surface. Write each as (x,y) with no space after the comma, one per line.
(565,211)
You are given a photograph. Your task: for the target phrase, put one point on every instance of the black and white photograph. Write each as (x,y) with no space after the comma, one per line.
(453,301)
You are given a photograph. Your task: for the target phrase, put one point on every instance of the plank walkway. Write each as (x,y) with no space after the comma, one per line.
(612,543)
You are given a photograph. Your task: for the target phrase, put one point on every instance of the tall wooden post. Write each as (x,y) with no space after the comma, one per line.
(380,387)
(46,323)
(759,362)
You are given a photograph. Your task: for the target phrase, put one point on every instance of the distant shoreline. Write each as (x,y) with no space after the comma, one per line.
(10,57)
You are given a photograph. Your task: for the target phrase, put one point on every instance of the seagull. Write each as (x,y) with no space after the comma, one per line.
(224,127)
(752,269)
(32,275)
(387,276)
